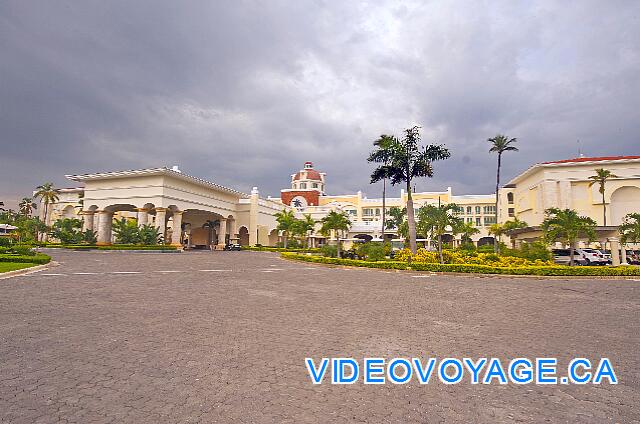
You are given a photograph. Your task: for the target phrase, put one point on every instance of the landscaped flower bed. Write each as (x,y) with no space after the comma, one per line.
(542,270)
(119,247)
(467,258)
(38,258)
(278,249)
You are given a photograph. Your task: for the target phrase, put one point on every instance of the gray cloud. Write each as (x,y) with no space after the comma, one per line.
(243,92)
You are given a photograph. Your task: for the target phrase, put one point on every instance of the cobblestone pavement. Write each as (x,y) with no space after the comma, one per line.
(211,337)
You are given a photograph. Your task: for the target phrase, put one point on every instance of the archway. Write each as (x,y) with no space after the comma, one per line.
(365,237)
(69,212)
(485,241)
(244,236)
(624,200)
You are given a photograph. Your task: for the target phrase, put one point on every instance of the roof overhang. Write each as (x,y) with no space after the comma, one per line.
(164,171)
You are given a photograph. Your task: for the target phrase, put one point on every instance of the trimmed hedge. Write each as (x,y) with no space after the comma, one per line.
(39,258)
(278,249)
(119,247)
(556,270)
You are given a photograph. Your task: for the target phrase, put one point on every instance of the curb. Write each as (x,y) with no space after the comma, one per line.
(26,271)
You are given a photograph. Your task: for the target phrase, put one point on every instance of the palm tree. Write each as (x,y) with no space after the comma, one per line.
(402,161)
(382,154)
(514,224)
(48,195)
(630,228)
(497,230)
(398,220)
(600,178)
(338,222)
(438,220)
(307,225)
(466,229)
(500,144)
(286,223)
(26,206)
(566,225)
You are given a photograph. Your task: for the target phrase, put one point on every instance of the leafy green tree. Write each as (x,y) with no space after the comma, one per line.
(67,230)
(27,206)
(126,231)
(466,229)
(382,154)
(398,220)
(149,235)
(286,223)
(630,228)
(304,227)
(437,220)
(601,177)
(403,161)
(566,225)
(337,222)
(500,144)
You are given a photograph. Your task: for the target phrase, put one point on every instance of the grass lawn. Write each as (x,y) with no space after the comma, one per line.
(11,266)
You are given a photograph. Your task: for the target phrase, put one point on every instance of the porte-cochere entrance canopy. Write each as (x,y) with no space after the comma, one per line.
(186,209)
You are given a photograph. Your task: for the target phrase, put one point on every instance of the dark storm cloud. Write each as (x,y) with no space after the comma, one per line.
(243,92)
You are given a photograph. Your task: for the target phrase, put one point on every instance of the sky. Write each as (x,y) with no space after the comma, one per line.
(242,93)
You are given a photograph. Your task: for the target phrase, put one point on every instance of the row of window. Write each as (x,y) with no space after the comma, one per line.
(486,210)
(303,186)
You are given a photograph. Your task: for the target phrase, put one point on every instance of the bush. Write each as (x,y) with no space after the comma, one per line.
(531,251)
(544,270)
(329,250)
(39,258)
(371,251)
(6,241)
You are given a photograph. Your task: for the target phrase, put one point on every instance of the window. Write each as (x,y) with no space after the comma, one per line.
(303,186)
(352,212)
(477,210)
(469,219)
(478,222)
(510,198)
(489,209)
(469,209)
(315,185)
(512,212)
(367,212)
(378,212)
(489,220)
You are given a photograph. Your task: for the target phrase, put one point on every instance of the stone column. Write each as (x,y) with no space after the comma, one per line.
(623,255)
(87,220)
(105,219)
(222,233)
(161,221)
(234,237)
(615,254)
(143,216)
(253,217)
(177,229)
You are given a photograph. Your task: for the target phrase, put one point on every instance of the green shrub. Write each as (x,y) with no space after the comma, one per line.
(549,270)
(531,251)
(6,241)
(329,251)
(39,258)
(371,251)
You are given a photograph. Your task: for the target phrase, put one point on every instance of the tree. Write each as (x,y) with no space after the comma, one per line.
(601,177)
(398,221)
(126,231)
(26,206)
(402,162)
(566,225)
(382,154)
(497,230)
(630,228)
(438,220)
(466,229)
(337,222)
(149,234)
(514,224)
(305,228)
(48,195)
(500,144)
(67,230)
(286,223)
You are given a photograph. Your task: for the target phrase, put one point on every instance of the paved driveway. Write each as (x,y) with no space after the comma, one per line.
(222,337)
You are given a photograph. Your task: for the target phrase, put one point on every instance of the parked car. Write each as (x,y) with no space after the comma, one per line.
(230,246)
(563,257)
(594,256)
(606,255)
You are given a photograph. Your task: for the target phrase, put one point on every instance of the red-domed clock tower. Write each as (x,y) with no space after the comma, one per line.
(307,185)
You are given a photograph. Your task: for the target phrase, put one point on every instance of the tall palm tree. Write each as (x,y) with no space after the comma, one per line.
(286,223)
(338,222)
(436,220)
(26,206)
(382,155)
(566,225)
(307,225)
(402,161)
(601,176)
(48,194)
(466,230)
(500,144)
